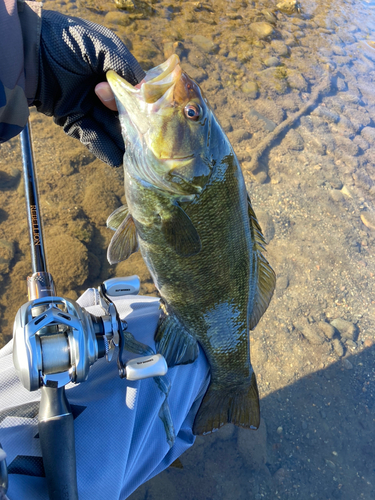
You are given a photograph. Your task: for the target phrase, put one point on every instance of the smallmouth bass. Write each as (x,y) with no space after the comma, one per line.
(189,213)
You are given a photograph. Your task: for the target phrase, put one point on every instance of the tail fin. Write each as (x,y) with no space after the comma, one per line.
(224,406)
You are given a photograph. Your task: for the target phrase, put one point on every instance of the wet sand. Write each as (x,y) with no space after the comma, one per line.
(295,94)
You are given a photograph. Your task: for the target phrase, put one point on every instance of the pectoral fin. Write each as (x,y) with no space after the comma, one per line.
(124,242)
(175,343)
(180,232)
(116,217)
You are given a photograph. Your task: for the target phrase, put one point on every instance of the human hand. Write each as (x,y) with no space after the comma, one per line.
(74,57)
(105,94)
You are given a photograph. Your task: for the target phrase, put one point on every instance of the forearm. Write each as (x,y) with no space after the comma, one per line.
(19,42)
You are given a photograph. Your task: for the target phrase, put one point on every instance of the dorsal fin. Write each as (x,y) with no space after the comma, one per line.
(266,276)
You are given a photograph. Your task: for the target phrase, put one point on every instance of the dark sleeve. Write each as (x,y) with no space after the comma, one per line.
(20,24)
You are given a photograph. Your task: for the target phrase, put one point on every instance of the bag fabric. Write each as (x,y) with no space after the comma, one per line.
(120,439)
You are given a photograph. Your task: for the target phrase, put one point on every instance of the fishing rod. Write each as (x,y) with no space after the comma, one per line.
(56,429)
(56,341)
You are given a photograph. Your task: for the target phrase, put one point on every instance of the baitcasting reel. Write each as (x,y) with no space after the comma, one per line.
(56,340)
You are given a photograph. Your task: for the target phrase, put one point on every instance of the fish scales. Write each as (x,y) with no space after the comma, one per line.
(190,215)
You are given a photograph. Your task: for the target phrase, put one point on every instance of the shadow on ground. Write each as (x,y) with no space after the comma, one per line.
(316,440)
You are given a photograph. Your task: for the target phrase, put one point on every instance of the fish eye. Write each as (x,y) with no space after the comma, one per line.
(192,112)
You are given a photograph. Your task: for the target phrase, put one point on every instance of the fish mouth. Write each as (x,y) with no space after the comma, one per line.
(143,112)
(154,91)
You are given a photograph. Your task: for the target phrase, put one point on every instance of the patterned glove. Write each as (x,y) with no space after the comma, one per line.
(74,57)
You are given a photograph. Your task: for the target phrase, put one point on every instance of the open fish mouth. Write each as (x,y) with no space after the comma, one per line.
(156,90)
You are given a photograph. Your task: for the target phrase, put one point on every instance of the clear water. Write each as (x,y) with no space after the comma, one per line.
(313,191)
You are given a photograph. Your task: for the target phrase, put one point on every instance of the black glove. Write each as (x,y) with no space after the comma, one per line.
(74,57)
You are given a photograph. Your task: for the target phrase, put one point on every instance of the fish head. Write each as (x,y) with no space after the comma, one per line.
(166,128)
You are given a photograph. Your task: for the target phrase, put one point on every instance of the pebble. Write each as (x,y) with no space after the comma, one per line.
(270,16)
(226,125)
(261,30)
(297,81)
(313,334)
(125,5)
(341,84)
(346,329)
(261,177)
(274,79)
(346,191)
(293,141)
(7,251)
(288,6)
(240,135)
(329,115)
(266,224)
(347,364)
(368,219)
(280,48)
(363,180)
(327,329)
(7,180)
(251,89)
(282,284)
(318,146)
(269,125)
(368,133)
(351,344)
(345,147)
(205,44)
(272,61)
(361,142)
(116,18)
(330,464)
(197,74)
(338,347)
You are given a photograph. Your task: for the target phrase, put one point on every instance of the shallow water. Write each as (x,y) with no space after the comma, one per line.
(299,109)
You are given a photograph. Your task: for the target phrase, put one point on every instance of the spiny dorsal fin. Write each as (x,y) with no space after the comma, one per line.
(116,217)
(124,242)
(180,232)
(266,276)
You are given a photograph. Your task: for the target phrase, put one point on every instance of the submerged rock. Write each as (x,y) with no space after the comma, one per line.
(368,219)
(288,6)
(6,255)
(313,334)
(205,44)
(261,30)
(346,329)
(280,48)
(338,347)
(251,89)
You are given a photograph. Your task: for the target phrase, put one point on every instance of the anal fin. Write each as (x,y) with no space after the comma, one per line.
(175,343)
(234,405)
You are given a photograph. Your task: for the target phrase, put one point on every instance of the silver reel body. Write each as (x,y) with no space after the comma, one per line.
(54,343)
(56,340)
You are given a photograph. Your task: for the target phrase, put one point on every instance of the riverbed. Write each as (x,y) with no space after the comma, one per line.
(293,86)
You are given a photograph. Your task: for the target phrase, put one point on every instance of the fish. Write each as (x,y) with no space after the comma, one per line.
(189,213)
